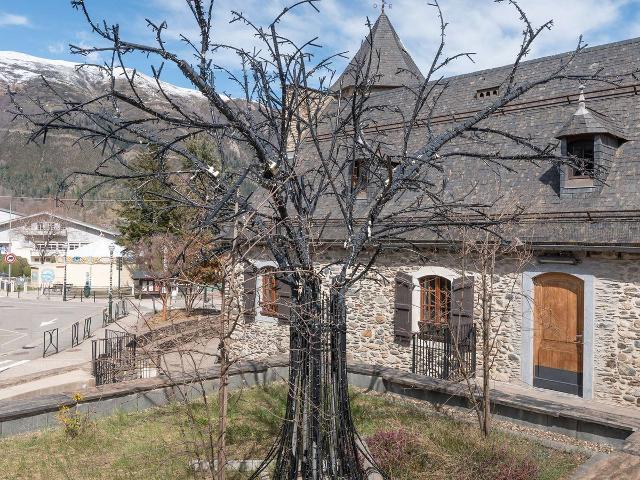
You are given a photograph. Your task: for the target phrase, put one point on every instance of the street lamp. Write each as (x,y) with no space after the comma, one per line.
(64,281)
(111,249)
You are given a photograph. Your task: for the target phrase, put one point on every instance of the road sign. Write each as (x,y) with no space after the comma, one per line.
(9,258)
(47,276)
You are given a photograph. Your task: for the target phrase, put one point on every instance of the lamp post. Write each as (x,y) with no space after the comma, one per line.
(111,249)
(64,281)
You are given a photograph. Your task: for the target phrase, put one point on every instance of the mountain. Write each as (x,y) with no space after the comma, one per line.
(35,170)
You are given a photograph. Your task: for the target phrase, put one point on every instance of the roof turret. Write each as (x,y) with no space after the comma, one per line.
(391,64)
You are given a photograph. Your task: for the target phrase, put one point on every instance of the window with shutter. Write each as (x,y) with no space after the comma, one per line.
(269,293)
(402,314)
(435,300)
(249,288)
(462,301)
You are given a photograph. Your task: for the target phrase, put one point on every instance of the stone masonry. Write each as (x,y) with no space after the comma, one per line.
(371,330)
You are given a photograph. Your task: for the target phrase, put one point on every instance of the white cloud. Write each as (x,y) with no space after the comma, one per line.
(56,48)
(10,19)
(489,29)
(493,30)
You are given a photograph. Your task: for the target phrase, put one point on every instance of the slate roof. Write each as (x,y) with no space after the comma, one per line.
(391,64)
(609,217)
(586,121)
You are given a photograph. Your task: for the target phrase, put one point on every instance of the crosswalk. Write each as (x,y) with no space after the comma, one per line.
(7,364)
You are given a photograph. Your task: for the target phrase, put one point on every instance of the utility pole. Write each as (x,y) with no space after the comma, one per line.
(10,244)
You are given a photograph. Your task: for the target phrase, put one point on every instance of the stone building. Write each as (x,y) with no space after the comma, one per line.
(570,314)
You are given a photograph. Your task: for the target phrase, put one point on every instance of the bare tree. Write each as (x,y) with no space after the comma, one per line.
(309,152)
(481,254)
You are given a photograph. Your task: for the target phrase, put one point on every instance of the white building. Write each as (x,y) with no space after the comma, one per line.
(44,239)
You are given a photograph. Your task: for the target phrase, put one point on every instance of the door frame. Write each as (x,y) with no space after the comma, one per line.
(528,320)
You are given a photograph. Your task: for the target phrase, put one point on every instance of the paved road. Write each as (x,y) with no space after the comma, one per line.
(23,322)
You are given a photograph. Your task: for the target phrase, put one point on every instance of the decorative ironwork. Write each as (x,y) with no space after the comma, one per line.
(440,351)
(75,334)
(50,342)
(318,438)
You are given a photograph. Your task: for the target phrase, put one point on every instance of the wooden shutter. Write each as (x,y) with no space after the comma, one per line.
(462,302)
(283,302)
(402,314)
(249,313)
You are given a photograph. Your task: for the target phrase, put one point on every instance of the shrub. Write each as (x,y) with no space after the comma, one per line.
(73,421)
(397,452)
(503,465)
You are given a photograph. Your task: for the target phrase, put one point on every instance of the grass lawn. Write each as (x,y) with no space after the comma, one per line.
(159,443)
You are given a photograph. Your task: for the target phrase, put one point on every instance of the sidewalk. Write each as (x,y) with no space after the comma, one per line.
(68,370)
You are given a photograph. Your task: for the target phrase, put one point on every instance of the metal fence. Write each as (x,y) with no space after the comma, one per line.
(118,310)
(50,342)
(115,358)
(86,333)
(75,334)
(440,351)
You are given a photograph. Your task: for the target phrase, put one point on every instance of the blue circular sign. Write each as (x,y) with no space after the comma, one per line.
(47,276)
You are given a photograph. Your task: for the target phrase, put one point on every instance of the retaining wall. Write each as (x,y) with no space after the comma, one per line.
(19,416)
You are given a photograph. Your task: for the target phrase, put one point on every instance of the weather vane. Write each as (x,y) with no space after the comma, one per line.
(382,5)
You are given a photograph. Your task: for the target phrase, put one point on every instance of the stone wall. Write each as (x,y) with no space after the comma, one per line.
(371,334)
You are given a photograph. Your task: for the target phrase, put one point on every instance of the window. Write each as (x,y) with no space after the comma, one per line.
(584,161)
(487,92)
(359,179)
(269,294)
(435,300)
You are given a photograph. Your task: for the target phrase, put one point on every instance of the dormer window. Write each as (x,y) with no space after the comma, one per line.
(582,151)
(359,179)
(589,142)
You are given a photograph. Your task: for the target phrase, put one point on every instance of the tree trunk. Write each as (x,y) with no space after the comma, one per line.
(318,437)
(486,350)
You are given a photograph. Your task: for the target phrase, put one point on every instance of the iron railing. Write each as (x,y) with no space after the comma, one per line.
(50,342)
(115,358)
(75,334)
(440,351)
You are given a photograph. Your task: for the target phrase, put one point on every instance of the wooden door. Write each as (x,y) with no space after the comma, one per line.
(558,332)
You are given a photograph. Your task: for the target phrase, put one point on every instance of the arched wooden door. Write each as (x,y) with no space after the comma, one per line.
(558,332)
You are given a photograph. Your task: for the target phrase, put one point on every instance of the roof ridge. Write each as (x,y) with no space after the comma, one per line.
(546,58)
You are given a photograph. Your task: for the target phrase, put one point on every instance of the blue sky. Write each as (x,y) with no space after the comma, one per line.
(44,28)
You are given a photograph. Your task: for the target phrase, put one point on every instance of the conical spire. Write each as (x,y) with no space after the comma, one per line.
(391,64)
(582,103)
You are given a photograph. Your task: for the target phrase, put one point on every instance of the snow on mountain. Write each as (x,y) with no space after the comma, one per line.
(19,68)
